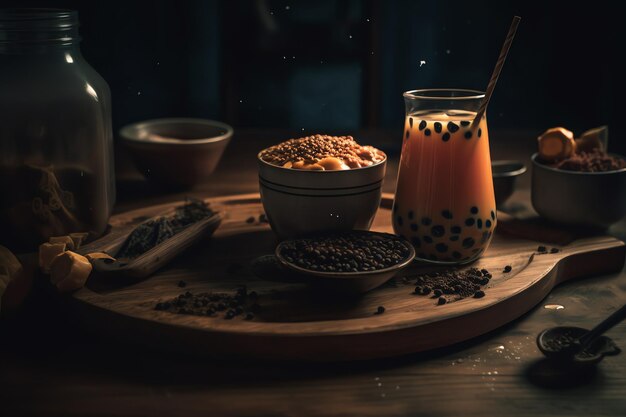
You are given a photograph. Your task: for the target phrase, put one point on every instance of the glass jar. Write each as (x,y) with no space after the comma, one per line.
(444,201)
(56,147)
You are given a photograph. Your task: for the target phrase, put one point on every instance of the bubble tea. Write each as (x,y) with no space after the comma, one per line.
(444,203)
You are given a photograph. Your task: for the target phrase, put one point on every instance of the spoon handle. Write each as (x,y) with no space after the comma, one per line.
(604,325)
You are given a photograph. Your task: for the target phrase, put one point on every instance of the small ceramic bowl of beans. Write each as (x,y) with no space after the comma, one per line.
(350,262)
(320,184)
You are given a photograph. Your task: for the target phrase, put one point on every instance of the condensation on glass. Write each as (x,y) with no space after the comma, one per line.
(56,150)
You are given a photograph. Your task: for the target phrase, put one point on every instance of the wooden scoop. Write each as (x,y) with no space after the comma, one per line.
(150,261)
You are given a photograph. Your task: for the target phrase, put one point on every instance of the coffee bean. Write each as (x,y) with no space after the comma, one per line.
(349,252)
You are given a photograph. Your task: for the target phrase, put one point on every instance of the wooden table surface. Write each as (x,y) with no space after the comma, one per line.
(50,366)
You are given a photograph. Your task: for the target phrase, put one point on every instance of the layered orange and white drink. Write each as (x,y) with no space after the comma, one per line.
(444,202)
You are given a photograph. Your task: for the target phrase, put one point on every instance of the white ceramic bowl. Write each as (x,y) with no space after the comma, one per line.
(302,202)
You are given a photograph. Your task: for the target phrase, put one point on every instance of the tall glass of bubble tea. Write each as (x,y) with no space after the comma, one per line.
(444,203)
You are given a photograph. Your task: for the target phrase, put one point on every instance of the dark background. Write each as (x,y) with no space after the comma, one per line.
(343,65)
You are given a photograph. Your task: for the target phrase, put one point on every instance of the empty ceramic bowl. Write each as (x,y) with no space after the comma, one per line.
(302,202)
(179,152)
(591,199)
(505,175)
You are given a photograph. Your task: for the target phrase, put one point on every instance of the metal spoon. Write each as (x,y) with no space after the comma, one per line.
(574,344)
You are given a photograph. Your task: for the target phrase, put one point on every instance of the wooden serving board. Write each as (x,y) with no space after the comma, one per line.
(295,323)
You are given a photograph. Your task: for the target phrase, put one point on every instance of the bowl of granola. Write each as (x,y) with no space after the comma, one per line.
(576,181)
(319,184)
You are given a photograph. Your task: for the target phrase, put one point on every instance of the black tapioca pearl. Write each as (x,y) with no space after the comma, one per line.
(410,214)
(437,127)
(416,241)
(407,134)
(422,125)
(411,122)
(455,229)
(474,210)
(441,247)
(452,127)
(445,137)
(493,215)
(447,214)
(426,221)
(469,221)
(484,237)
(399,220)
(427,239)
(468,242)
(480,132)
(465,123)
(479,223)
(437,231)
(427,132)
(414,227)
(454,238)
(487,223)
(456,255)
(468,134)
